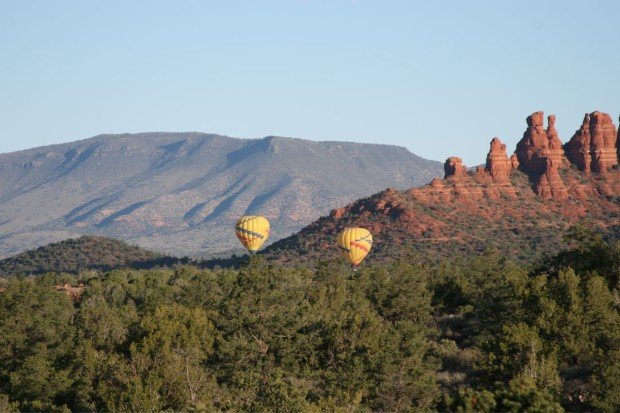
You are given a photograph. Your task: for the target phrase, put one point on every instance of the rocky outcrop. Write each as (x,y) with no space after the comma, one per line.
(530,147)
(604,136)
(593,148)
(519,211)
(555,151)
(578,148)
(454,167)
(541,156)
(498,164)
(491,181)
(514,161)
(550,184)
(538,145)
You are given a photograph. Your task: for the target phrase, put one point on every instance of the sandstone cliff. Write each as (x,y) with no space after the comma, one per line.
(593,148)
(541,156)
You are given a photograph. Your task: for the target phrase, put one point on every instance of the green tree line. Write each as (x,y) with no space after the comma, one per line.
(480,335)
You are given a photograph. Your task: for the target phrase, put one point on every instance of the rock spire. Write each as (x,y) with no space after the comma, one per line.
(538,145)
(498,164)
(454,167)
(593,148)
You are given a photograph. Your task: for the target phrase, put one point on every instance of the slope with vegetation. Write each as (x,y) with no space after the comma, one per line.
(483,334)
(84,253)
(521,205)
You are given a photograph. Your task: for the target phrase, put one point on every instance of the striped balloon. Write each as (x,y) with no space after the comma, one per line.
(355,244)
(252,231)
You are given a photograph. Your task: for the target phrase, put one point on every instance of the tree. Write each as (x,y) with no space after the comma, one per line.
(166,365)
(36,340)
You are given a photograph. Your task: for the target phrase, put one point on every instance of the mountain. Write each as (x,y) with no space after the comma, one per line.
(180,193)
(84,253)
(520,205)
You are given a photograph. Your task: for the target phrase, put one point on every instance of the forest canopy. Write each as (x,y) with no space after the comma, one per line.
(483,334)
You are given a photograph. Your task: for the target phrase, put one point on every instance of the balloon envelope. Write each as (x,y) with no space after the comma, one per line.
(252,231)
(355,244)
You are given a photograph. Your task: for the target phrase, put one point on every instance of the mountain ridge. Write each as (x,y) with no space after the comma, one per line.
(180,193)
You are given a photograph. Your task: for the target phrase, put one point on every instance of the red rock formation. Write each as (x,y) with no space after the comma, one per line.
(578,148)
(539,144)
(530,147)
(556,151)
(539,154)
(498,164)
(593,147)
(604,136)
(473,209)
(454,167)
(550,184)
(438,192)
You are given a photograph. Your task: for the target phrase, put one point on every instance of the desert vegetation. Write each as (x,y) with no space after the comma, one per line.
(481,334)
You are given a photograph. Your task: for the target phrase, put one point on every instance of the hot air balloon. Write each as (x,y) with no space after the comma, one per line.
(252,231)
(355,244)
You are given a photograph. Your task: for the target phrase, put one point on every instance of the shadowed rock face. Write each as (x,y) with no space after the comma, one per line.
(181,193)
(454,167)
(593,148)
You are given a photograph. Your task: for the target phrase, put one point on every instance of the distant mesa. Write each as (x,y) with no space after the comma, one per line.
(180,193)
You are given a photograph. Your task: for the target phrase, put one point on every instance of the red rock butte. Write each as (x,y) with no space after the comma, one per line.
(520,204)
(593,149)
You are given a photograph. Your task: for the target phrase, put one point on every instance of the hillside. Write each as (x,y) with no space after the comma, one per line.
(520,206)
(480,335)
(180,193)
(84,253)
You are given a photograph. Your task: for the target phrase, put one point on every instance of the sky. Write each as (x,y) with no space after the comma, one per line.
(441,78)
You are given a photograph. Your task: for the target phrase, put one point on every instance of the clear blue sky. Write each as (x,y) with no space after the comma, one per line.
(441,78)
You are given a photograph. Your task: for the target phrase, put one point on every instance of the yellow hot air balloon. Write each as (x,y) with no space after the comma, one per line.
(252,231)
(355,244)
